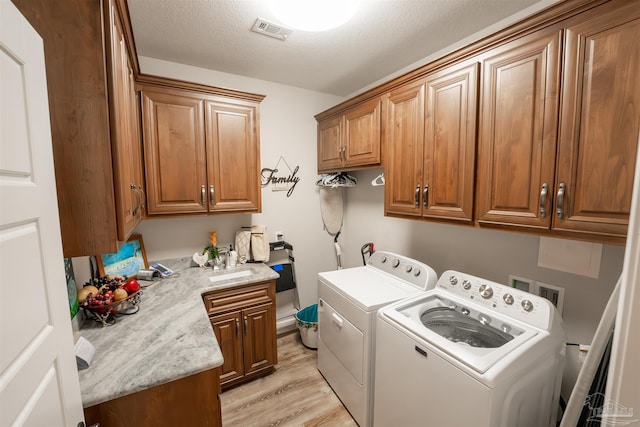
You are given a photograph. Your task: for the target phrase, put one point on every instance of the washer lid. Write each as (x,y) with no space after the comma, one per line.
(368,287)
(469,333)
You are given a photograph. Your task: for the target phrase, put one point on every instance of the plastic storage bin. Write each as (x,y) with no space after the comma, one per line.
(307,322)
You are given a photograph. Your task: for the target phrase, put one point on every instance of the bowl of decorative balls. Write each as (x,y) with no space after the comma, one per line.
(106,296)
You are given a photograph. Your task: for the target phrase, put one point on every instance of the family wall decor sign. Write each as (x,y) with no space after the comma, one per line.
(275,176)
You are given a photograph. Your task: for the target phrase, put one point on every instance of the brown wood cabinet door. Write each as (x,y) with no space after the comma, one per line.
(330,144)
(228,330)
(137,164)
(124,122)
(233,156)
(600,123)
(362,134)
(174,153)
(450,143)
(404,140)
(517,144)
(260,350)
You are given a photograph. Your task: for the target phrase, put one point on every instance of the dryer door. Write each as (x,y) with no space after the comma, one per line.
(343,339)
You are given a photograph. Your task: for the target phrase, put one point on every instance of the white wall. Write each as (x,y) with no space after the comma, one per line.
(288,129)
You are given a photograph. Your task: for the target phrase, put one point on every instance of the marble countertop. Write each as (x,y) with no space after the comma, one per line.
(169,338)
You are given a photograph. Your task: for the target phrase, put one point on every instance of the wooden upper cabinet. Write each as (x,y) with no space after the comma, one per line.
(85,54)
(350,140)
(233,153)
(201,149)
(430,138)
(404,141)
(600,122)
(362,132)
(174,152)
(450,142)
(124,123)
(518,125)
(330,143)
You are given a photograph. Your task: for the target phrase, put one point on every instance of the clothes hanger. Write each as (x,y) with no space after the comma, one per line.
(378,180)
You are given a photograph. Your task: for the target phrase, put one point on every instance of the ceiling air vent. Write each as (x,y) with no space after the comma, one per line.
(270,29)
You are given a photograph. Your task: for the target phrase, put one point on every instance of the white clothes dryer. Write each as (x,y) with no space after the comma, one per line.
(348,302)
(468,353)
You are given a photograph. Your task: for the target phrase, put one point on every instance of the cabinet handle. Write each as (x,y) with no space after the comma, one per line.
(543,200)
(562,188)
(143,196)
(425,192)
(417,196)
(202,196)
(133,188)
(246,326)
(211,194)
(237,327)
(336,319)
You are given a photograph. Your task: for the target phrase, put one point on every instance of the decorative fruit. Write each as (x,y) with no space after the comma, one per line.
(132,286)
(120,294)
(83,293)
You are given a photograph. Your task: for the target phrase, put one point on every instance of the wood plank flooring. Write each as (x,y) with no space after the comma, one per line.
(295,394)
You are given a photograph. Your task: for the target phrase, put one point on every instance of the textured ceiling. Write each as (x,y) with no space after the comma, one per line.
(384,37)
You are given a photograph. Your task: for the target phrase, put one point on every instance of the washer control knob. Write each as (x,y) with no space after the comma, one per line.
(527,305)
(465,311)
(508,298)
(485,291)
(395,263)
(453,280)
(466,284)
(408,268)
(416,272)
(383,259)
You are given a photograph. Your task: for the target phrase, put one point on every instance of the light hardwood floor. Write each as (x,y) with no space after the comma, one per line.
(295,394)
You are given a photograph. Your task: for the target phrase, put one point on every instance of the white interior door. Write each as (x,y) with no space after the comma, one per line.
(38,377)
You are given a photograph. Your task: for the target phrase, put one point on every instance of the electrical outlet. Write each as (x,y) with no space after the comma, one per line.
(279,236)
(555,294)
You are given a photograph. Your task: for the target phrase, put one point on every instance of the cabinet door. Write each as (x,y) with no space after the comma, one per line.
(127,199)
(404,140)
(228,330)
(517,145)
(233,156)
(125,131)
(259,338)
(600,123)
(450,143)
(330,144)
(174,152)
(362,133)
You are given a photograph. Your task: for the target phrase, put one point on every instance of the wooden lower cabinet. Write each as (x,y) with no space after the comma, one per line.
(244,322)
(189,401)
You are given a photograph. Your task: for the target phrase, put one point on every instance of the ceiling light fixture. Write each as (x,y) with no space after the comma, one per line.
(314,15)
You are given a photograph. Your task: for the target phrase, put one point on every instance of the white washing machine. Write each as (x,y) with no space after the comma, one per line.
(468,353)
(348,302)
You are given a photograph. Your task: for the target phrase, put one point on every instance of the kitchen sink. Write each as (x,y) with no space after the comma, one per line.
(228,276)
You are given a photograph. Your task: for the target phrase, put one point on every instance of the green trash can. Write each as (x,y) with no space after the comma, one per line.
(307,322)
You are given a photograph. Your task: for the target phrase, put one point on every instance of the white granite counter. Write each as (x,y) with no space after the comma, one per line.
(169,338)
